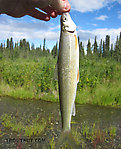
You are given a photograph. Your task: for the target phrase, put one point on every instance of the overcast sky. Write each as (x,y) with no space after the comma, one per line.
(92,17)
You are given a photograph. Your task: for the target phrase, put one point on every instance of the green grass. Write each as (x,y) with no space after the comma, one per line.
(103,94)
(26,127)
(108,94)
(29,79)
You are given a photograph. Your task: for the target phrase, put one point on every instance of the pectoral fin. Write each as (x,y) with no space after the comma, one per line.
(77,75)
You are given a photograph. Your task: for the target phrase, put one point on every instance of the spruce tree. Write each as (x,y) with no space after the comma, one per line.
(1,46)
(55,50)
(95,50)
(1,51)
(8,44)
(89,52)
(44,43)
(100,48)
(78,39)
(116,50)
(27,46)
(107,46)
(21,44)
(81,50)
(24,45)
(104,51)
(11,43)
(111,51)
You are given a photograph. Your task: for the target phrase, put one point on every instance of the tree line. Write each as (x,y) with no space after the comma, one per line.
(104,49)
(22,49)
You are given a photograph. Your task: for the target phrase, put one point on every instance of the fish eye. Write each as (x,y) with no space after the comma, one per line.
(64,19)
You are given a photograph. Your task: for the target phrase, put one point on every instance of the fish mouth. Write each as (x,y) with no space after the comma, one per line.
(71,31)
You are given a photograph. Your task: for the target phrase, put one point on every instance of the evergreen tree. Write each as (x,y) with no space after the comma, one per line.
(89,52)
(78,39)
(8,43)
(104,51)
(24,44)
(27,45)
(40,47)
(107,46)
(111,51)
(44,44)
(95,51)
(55,50)
(11,43)
(1,46)
(1,51)
(21,44)
(4,46)
(16,45)
(81,50)
(117,51)
(100,48)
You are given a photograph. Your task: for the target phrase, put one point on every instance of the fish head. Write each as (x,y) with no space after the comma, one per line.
(67,23)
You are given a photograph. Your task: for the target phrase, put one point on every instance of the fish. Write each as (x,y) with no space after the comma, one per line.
(68,71)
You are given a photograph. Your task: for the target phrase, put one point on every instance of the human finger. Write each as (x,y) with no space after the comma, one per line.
(38,15)
(50,11)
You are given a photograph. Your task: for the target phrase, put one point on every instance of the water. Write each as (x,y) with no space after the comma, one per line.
(96,126)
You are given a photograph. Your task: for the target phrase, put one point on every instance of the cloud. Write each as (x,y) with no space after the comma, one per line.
(102,17)
(91,5)
(29,29)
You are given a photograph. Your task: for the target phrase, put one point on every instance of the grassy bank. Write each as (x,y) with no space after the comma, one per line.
(100,80)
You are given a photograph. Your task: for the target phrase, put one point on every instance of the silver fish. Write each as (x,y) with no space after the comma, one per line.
(68,70)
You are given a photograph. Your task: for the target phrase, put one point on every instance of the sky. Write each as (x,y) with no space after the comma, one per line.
(92,17)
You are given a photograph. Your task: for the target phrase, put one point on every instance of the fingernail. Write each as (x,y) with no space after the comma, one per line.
(53,14)
(47,18)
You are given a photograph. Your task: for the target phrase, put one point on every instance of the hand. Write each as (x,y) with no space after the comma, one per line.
(19,8)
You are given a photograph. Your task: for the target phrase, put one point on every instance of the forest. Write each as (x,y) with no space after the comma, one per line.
(29,73)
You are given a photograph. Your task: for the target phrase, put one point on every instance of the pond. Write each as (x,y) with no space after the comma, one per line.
(26,124)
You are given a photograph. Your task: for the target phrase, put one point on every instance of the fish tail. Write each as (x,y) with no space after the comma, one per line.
(66,139)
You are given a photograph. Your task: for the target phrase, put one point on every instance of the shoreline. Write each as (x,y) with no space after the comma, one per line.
(56,100)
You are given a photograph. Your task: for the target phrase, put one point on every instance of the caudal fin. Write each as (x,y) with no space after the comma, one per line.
(66,138)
